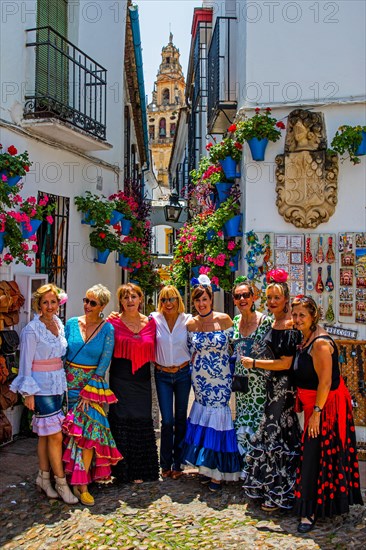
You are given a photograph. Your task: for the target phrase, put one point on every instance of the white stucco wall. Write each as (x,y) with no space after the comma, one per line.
(99,30)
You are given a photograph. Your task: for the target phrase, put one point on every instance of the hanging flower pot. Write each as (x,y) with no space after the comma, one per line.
(223,190)
(235,261)
(11,181)
(361,149)
(2,244)
(257,148)
(228,165)
(232,227)
(215,288)
(26,232)
(116,217)
(125,226)
(134,282)
(123,261)
(102,256)
(196,271)
(87,219)
(210,235)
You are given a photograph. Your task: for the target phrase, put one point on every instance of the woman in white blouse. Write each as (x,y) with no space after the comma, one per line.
(42,382)
(172,377)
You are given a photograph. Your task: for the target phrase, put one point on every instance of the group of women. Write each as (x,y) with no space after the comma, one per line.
(315,471)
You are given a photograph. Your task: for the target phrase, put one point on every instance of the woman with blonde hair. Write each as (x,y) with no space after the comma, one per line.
(172,377)
(90,448)
(42,382)
(130,380)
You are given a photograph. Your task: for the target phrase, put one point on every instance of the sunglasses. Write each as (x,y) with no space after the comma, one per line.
(171,300)
(244,295)
(201,285)
(93,303)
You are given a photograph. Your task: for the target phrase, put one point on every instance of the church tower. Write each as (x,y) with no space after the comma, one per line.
(162,112)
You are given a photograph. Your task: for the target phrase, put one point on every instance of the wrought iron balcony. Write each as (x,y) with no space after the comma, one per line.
(222,94)
(68,84)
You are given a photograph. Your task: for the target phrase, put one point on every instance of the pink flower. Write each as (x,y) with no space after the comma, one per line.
(204,270)
(42,202)
(33,213)
(4,178)
(276,276)
(17,199)
(220,234)
(32,238)
(29,262)
(35,248)
(49,219)
(32,200)
(25,246)
(8,258)
(231,245)
(231,264)
(215,280)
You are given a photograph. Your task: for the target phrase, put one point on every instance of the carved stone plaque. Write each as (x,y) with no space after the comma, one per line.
(306,175)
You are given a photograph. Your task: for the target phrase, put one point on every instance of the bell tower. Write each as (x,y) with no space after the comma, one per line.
(162,112)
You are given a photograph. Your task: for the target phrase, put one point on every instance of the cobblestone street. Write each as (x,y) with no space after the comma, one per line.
(167,514)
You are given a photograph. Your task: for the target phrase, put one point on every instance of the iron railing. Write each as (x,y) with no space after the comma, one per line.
(221,84)
(69,85)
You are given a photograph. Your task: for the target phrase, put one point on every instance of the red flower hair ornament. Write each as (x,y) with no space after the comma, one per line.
(277,276)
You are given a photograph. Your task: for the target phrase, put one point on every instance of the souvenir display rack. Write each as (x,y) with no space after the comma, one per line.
(352,363)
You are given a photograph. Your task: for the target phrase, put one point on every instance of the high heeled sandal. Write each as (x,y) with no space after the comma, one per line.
(85,498)
(176,474)
(306,527)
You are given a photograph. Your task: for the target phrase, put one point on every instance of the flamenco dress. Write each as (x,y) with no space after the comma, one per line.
(210,440)
(41,374)
(88,429)
(250,405)
(328,480)
(273,451)
(131,417)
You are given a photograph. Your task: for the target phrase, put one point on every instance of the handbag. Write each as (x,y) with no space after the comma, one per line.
(9,341)
(7,397)
(240,383)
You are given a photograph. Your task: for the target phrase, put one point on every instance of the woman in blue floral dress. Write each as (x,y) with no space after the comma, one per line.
(249,329)
(210,441)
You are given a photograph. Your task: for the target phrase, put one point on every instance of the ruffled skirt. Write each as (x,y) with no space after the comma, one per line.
(210,443)
(48,416)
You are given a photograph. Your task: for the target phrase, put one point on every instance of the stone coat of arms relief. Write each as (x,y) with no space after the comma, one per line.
(306,175)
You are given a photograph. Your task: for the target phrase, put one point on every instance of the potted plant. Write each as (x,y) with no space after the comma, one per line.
(104,241)
(126,206)
(34,213)
(258,130)
(12,165)
(350,139)
(229,211)
(97,209)
(228,153)
(11,237)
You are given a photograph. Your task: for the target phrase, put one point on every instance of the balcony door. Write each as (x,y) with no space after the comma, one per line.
(51,59)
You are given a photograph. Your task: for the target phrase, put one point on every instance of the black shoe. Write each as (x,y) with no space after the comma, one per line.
(306,527)
(204,480)
(214,487)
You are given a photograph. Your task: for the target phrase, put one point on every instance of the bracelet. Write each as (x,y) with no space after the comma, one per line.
(317,409)
(253,364)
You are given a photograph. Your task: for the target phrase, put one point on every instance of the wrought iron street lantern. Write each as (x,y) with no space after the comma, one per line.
(173,210)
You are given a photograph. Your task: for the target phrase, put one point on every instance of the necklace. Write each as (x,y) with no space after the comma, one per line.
(304,344)
(207,314)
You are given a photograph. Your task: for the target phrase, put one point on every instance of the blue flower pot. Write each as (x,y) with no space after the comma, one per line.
(134,282)
(11,181)
(34,225)
(215,288)
(195,271)
(223,190)
(235,260)
(212,198)
(257,148)
(102,257)
(123,261)
(116,217)
(2,244)
(232,227)
(125,226)
(361,149)
(229,167)
(211,233)
(87,220)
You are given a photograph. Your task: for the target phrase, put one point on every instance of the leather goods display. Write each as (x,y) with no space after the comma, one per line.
(11,300)
(7,397)
(4,371)
(9,343)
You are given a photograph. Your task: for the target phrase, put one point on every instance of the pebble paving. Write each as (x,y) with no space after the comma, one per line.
(169,514)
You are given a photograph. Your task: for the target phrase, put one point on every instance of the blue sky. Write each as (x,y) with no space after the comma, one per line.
(155,17)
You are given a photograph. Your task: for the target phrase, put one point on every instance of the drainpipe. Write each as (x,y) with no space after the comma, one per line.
(136,36)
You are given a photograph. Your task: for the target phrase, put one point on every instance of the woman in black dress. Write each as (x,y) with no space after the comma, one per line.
(273,453)
(130,379)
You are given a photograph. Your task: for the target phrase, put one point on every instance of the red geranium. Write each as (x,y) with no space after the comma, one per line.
(232,128)
(12,150)
(276,276)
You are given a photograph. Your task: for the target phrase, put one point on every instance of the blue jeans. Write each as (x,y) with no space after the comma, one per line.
(172,387)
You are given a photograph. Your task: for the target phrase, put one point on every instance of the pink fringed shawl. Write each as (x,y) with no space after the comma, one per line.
(138,348)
